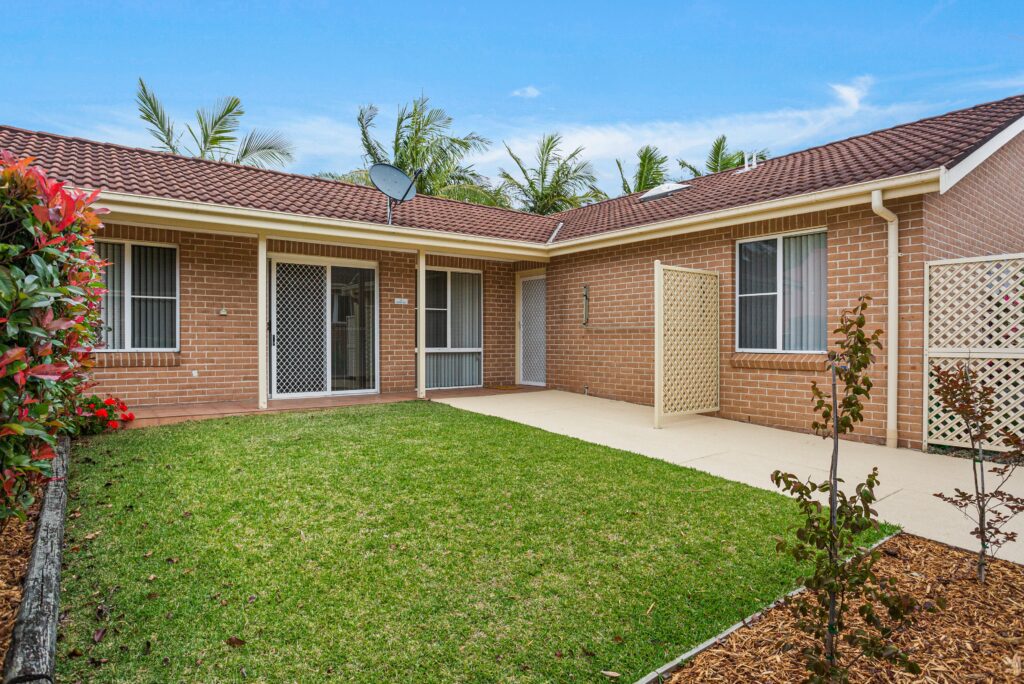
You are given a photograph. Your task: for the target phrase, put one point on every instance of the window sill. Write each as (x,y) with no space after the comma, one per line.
(796,362)
(137,359)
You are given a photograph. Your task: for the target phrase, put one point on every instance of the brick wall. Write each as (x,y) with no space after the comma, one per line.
(614,355)
(217,357)
(217,360)
(983,214)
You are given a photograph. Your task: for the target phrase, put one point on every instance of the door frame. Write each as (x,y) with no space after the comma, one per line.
(280,257)
(533,274)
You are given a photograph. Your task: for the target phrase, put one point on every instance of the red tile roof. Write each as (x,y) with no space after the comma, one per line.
(919,146)
(90,164)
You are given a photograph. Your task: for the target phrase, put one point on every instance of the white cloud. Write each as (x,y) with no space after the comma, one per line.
(782,130)
(329,143)
(527,92)
(322,143)
(1014,82)
(851,94)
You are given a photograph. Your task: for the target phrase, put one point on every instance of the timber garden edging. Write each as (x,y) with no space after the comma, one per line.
(32,655)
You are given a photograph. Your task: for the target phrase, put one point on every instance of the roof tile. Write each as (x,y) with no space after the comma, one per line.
(919,146)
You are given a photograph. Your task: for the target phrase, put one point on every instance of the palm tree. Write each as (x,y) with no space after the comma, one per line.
(215,135)
(721,158)
(651,170)
(557,183)
(423,140)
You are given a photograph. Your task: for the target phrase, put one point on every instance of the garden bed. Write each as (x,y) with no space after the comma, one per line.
(15,550)
(979,637)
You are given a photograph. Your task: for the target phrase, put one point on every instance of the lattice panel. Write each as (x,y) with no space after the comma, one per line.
(300,312)
(690,341)
(976,305)
(1005,375)
(534,339)
(976,315)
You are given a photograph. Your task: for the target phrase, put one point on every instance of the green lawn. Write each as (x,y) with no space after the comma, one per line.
(406,542)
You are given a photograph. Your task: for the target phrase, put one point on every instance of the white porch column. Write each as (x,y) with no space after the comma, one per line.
(261,320)
(421,325)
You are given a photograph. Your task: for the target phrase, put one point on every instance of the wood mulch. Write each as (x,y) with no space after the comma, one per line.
(15,548)
(979,637)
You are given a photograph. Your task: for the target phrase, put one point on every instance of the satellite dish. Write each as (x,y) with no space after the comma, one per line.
(394,183)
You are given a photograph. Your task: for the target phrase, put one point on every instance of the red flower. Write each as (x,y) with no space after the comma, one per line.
(128,417)
(113,424)
(110,401)
(102,413)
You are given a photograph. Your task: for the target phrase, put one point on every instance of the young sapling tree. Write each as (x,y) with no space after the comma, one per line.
(990,509)
(843,572)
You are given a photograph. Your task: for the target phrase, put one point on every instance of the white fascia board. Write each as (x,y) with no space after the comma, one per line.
(950,177)
(187,215)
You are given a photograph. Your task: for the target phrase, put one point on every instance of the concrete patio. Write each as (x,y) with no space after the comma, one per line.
(749,453)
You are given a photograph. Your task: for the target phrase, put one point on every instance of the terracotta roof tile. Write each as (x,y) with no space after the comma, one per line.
(919,146)
(90,164)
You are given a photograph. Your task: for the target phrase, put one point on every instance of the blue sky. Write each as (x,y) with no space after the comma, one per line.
(610,76)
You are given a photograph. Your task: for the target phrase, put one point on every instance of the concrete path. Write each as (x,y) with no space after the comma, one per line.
(749,453)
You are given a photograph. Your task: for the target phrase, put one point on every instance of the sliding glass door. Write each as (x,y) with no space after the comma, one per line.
(323,328)
(353,334)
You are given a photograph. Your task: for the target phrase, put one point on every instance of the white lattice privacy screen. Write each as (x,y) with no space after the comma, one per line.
(975,314)
(686,341)
(300,330)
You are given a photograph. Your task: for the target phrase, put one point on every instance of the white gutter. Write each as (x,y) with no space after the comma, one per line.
(916,183)
(202,216)
(893,319)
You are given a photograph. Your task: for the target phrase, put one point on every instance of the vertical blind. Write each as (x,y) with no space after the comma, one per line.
(154,297)
(466,311)
(112,303)
(147,302)
(802,291)
(454,322)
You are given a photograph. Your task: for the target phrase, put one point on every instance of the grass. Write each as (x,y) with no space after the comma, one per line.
(409,541)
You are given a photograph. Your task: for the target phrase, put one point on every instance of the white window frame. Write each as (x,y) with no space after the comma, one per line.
(779,305)
(129,296)
(448,321)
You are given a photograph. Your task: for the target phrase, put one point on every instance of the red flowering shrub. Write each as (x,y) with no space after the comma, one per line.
(50,288)
(95,415)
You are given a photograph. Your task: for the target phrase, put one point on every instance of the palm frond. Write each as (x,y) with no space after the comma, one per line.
(152,112)
(556,183)
(373,151)
(355,177)
(626,190)
(689,168)
(264,149)
(215,128)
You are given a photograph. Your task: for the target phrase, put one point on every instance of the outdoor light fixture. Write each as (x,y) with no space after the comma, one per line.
(586,304)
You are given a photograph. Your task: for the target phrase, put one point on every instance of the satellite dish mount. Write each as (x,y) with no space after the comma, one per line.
(395,184)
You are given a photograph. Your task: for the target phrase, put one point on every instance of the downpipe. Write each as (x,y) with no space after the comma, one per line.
(893,319)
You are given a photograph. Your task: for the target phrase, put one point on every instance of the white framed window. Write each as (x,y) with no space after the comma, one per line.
(782,293)
(140,310)
(455,334)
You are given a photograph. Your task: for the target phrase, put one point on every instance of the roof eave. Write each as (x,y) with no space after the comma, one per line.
(959,168)
(860,193)
(207,217)
(201,216)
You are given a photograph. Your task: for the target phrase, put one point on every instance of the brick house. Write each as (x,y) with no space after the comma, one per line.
(229,282)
